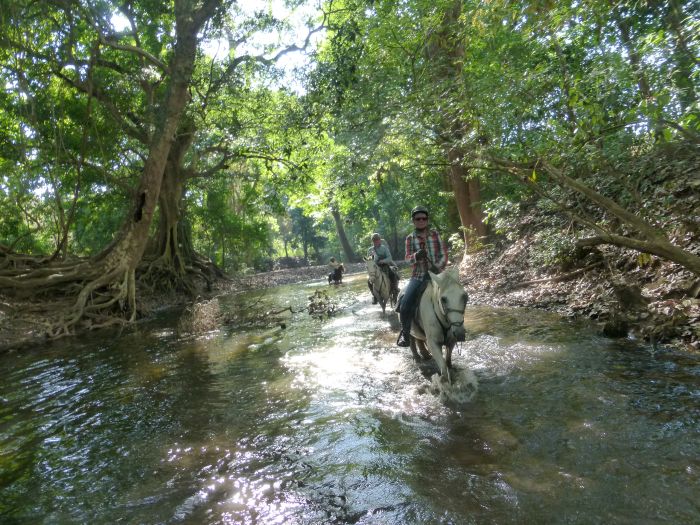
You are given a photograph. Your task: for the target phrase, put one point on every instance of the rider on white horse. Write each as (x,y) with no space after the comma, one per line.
(426,252)
(380,254)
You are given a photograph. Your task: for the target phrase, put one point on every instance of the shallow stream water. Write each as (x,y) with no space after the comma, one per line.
(327,421)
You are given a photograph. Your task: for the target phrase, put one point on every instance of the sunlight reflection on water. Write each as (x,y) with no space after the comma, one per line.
(327,421)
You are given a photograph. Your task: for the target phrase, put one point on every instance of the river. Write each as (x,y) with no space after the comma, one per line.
(327,421)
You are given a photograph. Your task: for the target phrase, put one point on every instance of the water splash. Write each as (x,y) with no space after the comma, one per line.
(462,390)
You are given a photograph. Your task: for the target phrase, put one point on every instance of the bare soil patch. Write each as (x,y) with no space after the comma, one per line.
(656,302)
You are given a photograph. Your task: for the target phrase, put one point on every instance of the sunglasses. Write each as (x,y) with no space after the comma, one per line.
(420,218)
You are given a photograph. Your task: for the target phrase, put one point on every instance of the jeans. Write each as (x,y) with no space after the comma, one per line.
(408,303)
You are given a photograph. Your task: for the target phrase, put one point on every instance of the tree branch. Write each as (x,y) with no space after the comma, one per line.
(134,50)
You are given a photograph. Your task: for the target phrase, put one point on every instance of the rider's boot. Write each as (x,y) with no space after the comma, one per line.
(371,291)
(403,340)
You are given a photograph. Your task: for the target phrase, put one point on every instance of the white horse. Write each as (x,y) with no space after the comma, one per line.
(439,320)
(381,284)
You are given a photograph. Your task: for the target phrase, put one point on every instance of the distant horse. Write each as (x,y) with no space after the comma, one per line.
(439,320)
(336,276)
(381,284)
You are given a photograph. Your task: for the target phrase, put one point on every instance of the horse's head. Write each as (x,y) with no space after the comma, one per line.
(450,300)
(372,267)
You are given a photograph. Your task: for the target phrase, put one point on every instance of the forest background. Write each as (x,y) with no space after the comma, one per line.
(149,148)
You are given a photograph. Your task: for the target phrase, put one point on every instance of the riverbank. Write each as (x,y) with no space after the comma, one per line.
(656,302)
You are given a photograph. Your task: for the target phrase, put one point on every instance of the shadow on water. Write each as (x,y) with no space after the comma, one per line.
(327,421)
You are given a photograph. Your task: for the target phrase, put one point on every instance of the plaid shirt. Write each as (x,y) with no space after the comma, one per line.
(437,252)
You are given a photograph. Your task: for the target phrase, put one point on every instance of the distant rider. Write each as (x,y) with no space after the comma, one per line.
(426,252)
(380,254)
(337,270)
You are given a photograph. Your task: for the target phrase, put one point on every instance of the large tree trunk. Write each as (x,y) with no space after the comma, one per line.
(126,253)
(176,262)
(171,257)
(168,243)
(349,253)
(446,50)
(468,198)
(107,281)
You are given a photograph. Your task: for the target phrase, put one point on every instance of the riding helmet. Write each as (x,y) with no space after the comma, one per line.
(419,209)
(376,236)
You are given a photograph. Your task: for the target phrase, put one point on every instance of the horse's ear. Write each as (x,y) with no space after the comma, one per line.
(452,272)
(434,277)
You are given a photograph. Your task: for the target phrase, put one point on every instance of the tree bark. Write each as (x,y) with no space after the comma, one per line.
(347,249)
(467,196)
(170,247)
(447,51)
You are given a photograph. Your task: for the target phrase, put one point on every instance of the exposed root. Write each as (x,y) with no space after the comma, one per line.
(69,296)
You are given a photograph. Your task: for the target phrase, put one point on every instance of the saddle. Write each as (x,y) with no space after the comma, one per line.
(419,295)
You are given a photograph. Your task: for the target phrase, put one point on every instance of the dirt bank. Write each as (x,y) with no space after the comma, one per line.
(656,301)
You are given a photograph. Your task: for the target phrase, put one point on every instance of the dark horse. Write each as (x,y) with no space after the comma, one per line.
(336,276)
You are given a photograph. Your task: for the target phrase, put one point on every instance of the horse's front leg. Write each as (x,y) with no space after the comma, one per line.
(448,354)
(436,351)
(413,342)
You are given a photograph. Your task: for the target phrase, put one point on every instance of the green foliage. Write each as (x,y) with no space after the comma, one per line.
(229,224)
(456,243)
(586,85)
(503,216)
(551,246)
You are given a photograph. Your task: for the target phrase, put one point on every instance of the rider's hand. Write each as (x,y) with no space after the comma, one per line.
(421,255)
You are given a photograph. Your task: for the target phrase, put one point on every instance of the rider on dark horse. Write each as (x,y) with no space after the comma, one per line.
(426,252)
(380,254)
(337,270)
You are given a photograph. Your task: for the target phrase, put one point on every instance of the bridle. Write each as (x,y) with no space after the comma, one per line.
(444,313)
